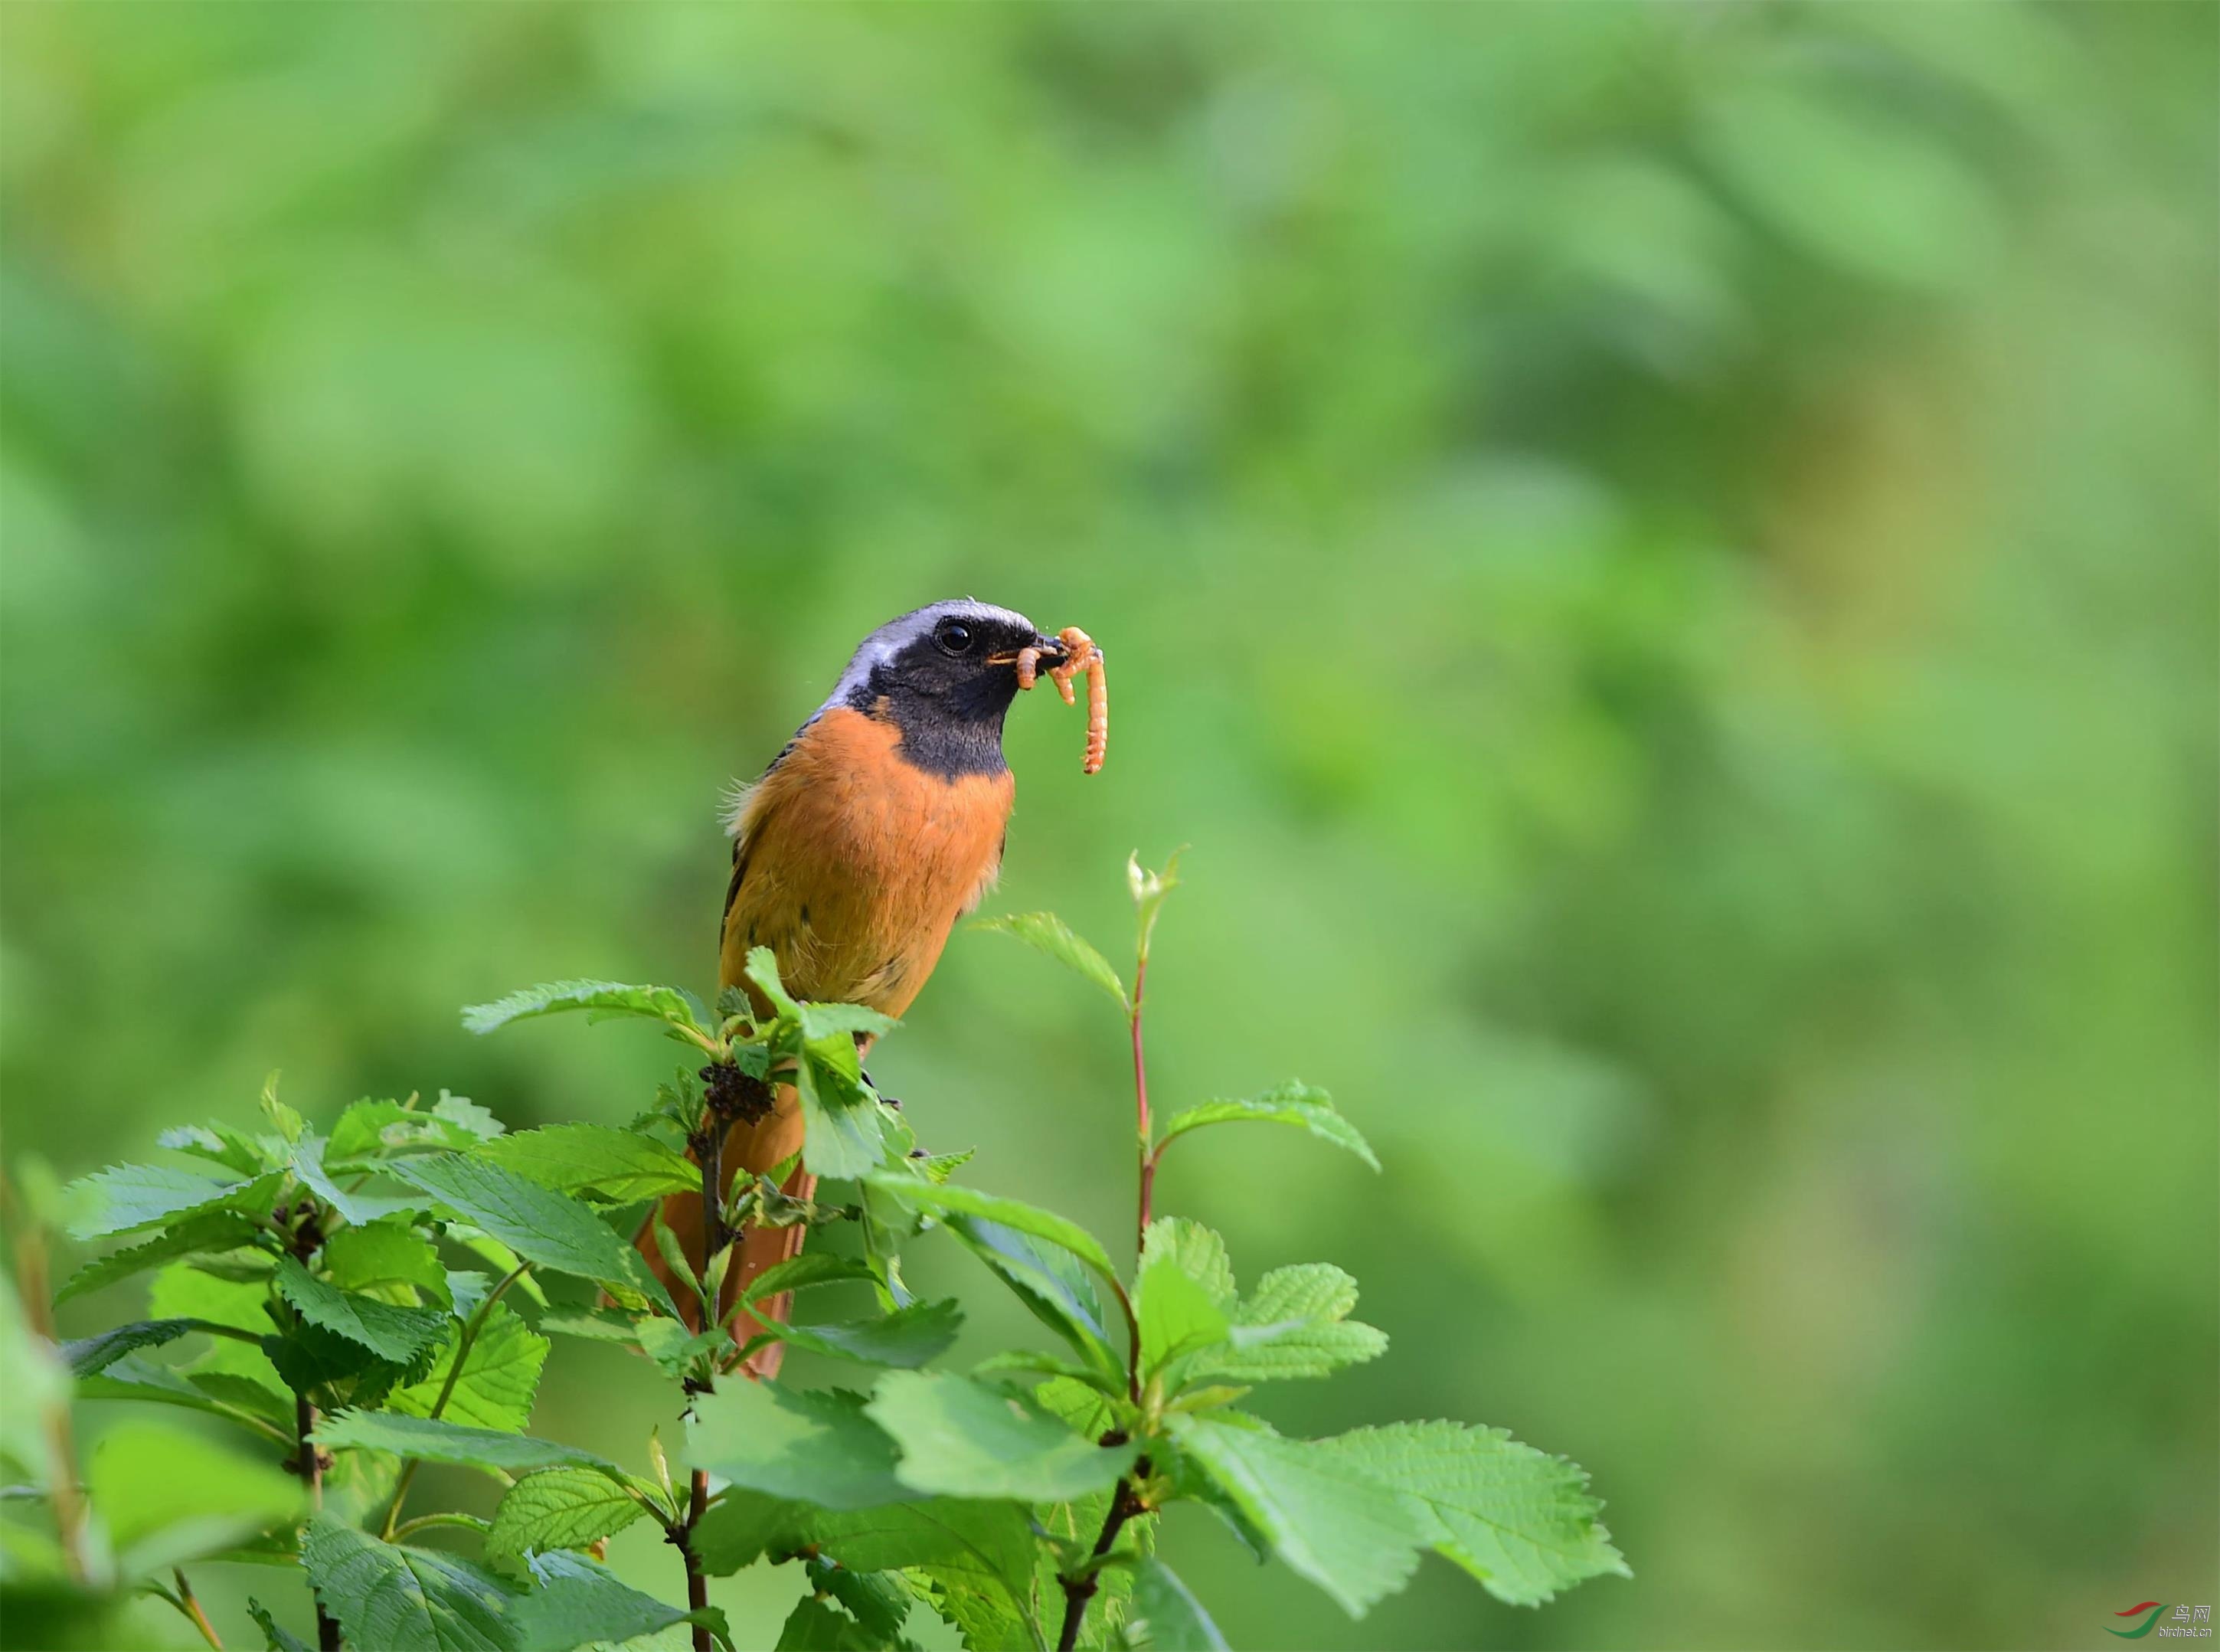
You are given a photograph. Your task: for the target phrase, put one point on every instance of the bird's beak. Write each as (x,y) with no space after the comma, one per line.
(1051,651)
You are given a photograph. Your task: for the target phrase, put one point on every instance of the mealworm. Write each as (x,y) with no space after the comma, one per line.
(1080,654)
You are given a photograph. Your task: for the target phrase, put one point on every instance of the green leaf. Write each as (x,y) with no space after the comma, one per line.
(1027,1219)
(216,1231)
(289,1122)
(618,1166)
(219,1144)
(490,1449)
(799,1273)
(1052,1284)
(1323,1514)
(575,1602)
(908,1338)
(962,1438)
(1148,889)
(673,1350)
(1519,1520)
(308,1163)
(1196,1250)
(126,1197)
(1177,1316)
(394,1334)
(388,1260)
(559,1508)
(274,1639)
(1298,1105)
(479,1121)
(602,998)
(167,1496)
(842,1020)
(396,1598)
(183,1291)
(1046,932)
(812,1446)
(843,1128)
(1164,1616)
(215,1394)
(368,1129)
(1293,1325)
(337,1371)
(89,1354)
(539,1225)
(816,1625)
(501,1375)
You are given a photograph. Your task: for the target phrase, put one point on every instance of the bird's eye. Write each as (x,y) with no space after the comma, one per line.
(954,636)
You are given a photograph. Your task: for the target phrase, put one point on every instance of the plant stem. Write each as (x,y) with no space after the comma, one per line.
(697,1584)
(308,1462)
(187,1602)
(462,1346)
(62,1493)
(1141,1104)
(1125,1504)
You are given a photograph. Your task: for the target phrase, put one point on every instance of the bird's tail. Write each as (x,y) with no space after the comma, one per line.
(751,1150)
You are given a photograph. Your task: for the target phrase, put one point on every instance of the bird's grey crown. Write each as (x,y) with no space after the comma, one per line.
(890,638)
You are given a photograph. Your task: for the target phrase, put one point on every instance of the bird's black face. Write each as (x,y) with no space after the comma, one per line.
(945,676)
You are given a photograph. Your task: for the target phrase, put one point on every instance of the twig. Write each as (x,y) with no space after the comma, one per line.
(308,1462)
(698,1582)
(1124,1503)
(709,1152)
(63,1494)
(462,1346)
(189,1604)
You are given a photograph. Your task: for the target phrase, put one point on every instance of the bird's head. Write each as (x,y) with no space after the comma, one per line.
(944,675)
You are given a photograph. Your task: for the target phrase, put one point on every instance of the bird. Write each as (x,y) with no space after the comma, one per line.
(878,826)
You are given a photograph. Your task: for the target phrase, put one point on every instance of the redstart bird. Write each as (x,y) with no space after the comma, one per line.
(879,826)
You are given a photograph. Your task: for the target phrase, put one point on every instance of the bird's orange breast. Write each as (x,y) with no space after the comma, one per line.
(852,865)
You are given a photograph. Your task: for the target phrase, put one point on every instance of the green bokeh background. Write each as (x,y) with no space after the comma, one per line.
(1662,558)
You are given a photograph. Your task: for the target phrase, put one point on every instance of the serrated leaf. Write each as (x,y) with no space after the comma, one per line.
(538,1224)
(1519,1520)
(1010,1212)
(1164,1616)
(274,1638)
(389,1259)
(674,1351)
(166,1497)
(1052,1284)
(816,1625)
(1322,1514)
(665,1004)
(559,1508)
(437,1441)
(1046,932)
(397,1599)
(215,1394)
(812,1446)
(962,1438)
(1297,1105)
(1293,1326)
(216,1231)
(907,1337)
(842,1020)
(126,1197)
(618,1166)
(182,1291)
(393,1334)
(1198,1252)
(369,1128)
(89,1354)
(337,1371)
(478,1121)
(308,1163)
(575,1602)
(799,1273)
(1177,1316)
(843,1127)
(501,1375)
(219,1144)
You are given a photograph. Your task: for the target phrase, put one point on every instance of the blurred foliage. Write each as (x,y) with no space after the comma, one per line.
(1673,543)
